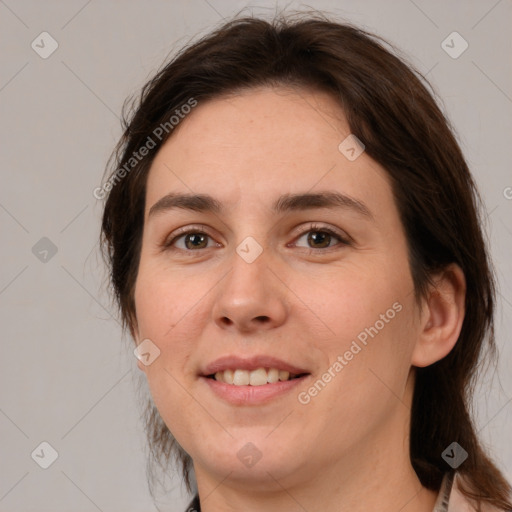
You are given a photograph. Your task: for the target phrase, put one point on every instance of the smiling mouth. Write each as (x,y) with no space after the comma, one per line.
(258,377)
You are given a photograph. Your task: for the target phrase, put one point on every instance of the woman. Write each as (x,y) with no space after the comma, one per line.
(295,246)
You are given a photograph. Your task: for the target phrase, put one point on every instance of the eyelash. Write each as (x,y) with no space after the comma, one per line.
(343,240)
(315,228)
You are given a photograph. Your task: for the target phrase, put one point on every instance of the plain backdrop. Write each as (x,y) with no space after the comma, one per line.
(67,376)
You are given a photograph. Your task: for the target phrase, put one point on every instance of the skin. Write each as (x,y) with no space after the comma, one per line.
(347,449)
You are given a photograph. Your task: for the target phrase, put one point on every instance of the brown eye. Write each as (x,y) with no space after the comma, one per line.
(321,238)
(196,240)
(190,241)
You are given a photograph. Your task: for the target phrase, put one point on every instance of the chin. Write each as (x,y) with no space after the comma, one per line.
(253,459)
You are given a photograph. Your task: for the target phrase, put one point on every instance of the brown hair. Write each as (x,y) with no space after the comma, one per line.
(391,111)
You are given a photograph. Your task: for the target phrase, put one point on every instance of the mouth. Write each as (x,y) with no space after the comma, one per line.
(259,377)
(252,381)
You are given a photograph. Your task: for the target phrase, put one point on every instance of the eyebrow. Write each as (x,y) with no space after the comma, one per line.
(285,203)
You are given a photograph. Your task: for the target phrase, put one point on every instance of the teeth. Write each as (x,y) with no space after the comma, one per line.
(228,376)
(272,376)
(241,378)
(258,377)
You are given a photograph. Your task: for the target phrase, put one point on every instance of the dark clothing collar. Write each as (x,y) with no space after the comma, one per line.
(194,505)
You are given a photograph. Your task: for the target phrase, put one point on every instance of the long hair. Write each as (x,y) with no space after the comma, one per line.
(388,106)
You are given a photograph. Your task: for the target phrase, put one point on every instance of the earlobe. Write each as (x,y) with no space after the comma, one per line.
(442,317)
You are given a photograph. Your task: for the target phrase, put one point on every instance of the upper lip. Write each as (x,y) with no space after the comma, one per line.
(232,362)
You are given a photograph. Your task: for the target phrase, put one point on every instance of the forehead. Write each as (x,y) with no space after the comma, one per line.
(258,144)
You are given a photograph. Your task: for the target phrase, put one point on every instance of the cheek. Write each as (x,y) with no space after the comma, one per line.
(369,363)
(368,325)
(352,301)
(165,301)
(166,307)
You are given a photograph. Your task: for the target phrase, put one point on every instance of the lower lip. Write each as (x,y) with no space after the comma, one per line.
(253,395)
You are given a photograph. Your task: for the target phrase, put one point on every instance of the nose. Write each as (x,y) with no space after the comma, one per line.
(250,297)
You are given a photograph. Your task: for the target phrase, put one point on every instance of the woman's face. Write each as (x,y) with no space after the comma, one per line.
(297,263)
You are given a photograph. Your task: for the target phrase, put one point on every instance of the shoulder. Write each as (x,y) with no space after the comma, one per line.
(460,503)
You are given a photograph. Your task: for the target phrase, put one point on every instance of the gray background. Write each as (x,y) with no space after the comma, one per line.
(67,376)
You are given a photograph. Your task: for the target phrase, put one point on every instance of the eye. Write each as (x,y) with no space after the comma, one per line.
(195,238)
(191,240)
(318,237)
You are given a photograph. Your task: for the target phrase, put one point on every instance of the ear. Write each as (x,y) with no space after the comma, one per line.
(441,318)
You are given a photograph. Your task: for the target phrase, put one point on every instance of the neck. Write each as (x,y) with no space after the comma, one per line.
(397,490)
